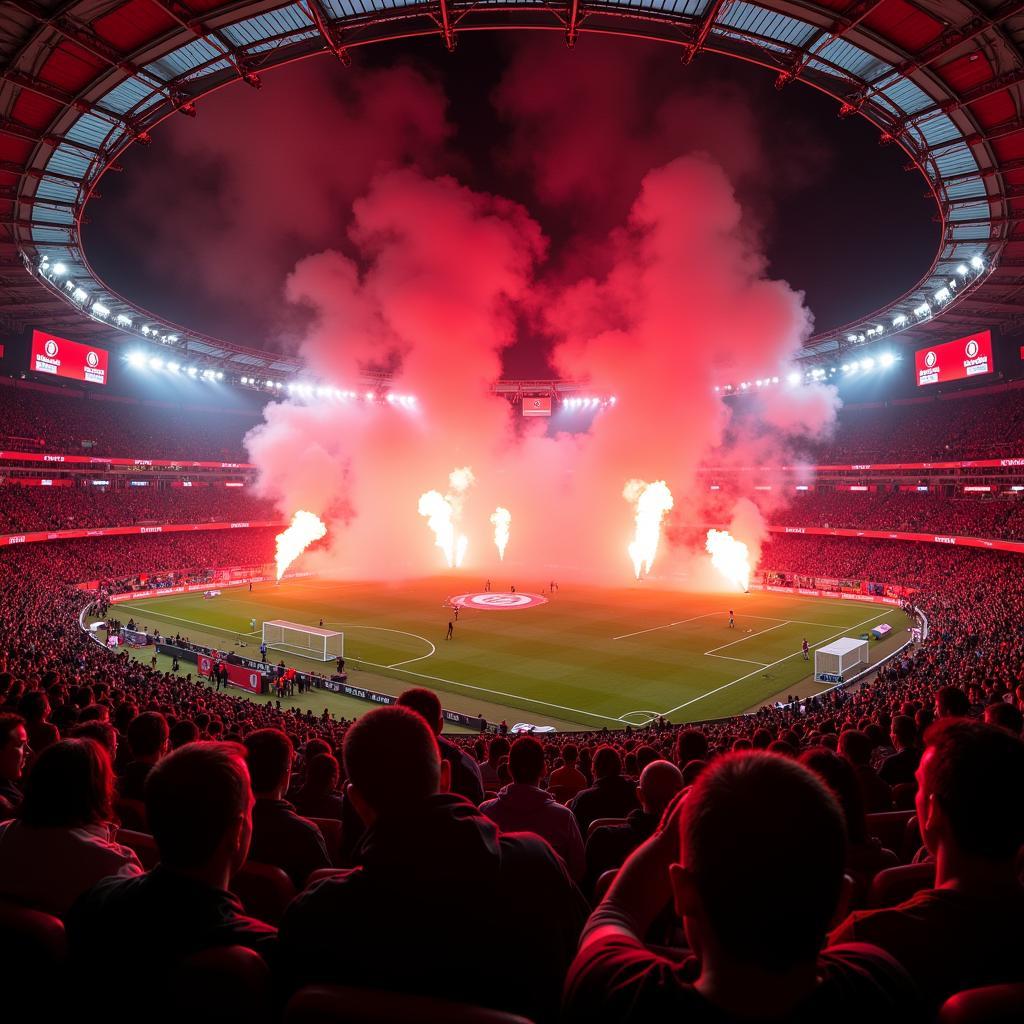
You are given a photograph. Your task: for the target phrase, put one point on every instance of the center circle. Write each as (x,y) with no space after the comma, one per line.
(497,601)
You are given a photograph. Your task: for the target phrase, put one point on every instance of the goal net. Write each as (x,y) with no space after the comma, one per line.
(307,641)
(837,661)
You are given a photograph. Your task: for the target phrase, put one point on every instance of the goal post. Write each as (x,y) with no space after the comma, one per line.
(306,641)
(835,662)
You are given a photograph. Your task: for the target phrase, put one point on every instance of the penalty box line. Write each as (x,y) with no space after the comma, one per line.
(726,686)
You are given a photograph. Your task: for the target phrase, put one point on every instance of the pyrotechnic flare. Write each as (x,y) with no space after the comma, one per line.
(442,512)
(501,519)
(305,528)
(730,557)
(652,501)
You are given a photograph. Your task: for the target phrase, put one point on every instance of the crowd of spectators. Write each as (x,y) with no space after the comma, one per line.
(71,422)
(735,845)
(24,509)
(935,429)
(907,511)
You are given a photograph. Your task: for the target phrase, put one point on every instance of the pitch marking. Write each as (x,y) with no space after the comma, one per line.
(749,636)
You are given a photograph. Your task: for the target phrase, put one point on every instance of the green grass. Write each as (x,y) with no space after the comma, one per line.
(591,657)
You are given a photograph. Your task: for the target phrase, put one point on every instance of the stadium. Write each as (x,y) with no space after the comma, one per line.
(512,512)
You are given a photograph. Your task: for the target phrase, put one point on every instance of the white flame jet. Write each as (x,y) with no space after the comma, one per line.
(304,529)
(652,501)
(501,519)
(730,557)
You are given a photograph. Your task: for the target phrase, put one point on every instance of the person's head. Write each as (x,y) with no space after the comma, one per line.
(570,754)
(35,706)
(199,807)
(185,731)
(148,736)
(270,754)
(762,854)
(102,732)
(313,747)
(322,773)
(903,732)
(970,791)
(392,762)
(607,762)
(855,746)
(951,702)
(837,773)
(425,703)
(497,749)
(71,785)
(691,745)
(659,782)
(13,746)
(1006,716)
(526,761)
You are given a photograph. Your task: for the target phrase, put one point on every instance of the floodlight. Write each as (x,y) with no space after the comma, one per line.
(80,295)
(923,310)
(899,320)
(192,371)
(942,295)
(59,269)
(977,262)
(851,337)
(220,375)
(173,367)
(136,360)
(887,359)
(156,364)
(962,270)
(794,378)
(867,363)
(99,309)
(124,321)
(846,367)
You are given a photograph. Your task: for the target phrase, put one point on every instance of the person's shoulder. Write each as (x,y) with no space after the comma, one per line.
(324,899)
(859,977)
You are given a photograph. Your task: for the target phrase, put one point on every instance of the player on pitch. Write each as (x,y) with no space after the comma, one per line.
(451,630)
(732,619)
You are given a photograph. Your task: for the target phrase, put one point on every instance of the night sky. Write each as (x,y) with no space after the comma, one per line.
(204,225)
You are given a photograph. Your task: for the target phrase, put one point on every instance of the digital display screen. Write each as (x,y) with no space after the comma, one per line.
(64,358)
(969,356)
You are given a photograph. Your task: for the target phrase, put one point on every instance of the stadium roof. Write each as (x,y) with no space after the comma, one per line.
(83,79)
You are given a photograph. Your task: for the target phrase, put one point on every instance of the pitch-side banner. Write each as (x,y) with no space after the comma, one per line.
(923,538)
(100,460)
(537,406)
(64,358)
(128,531)
(969,356)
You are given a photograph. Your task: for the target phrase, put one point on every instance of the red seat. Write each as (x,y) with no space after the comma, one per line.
(601,822)
(229,983)
(330,828)
(894,885)
(890,829)
(903,794)
(143,844)
(33,951)
(336,1004)
(993,1004)
(265,890)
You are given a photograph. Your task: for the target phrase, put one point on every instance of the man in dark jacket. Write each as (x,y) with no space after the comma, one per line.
(388,923)
(465,772)
(610,845)
(279,835)
(199,806)
(611,795)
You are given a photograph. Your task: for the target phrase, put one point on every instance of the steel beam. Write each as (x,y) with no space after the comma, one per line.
(690,50)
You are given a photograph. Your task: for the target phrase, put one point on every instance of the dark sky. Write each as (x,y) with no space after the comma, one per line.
(837,214)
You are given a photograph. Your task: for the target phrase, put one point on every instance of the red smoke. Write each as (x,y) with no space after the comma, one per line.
(440,273)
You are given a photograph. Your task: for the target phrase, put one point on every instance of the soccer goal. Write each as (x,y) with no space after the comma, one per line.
(307,641)
(837,661)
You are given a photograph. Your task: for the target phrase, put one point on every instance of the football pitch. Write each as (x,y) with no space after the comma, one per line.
(588,657)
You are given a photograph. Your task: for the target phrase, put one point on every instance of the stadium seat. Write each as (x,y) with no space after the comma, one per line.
(890,829)
(265,890)
(132,814)
(894,885)
(142,843)
(601,822)
(993,1004)
(33,949)
(336,1004)
(229,983)
(903,795)
(603,884)
(331,831)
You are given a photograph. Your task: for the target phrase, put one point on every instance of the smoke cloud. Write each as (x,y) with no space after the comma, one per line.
(437,280)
